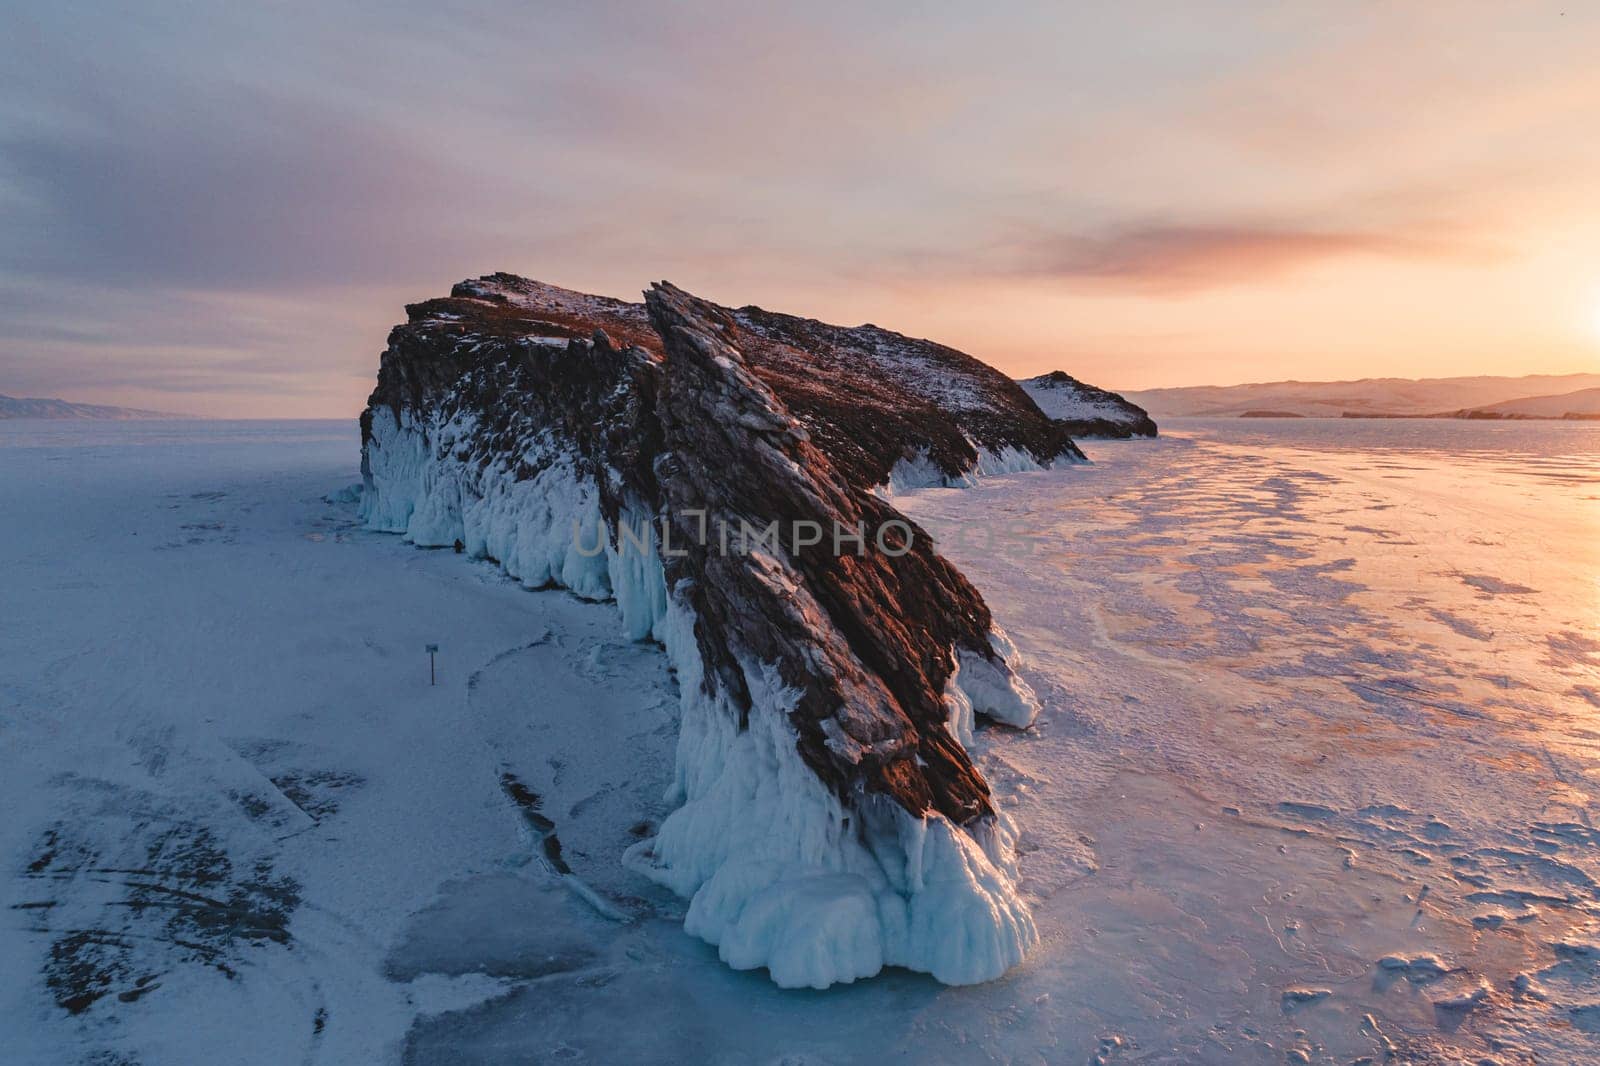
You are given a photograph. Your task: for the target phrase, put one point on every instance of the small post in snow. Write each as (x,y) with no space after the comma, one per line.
(431,648)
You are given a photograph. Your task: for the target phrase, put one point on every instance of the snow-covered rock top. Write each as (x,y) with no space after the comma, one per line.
(831,819)
(1085,410)
(874,399)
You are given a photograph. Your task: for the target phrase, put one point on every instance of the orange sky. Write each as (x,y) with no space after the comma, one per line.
(222,211)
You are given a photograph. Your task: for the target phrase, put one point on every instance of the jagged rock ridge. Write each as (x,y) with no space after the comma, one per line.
(872,669)
(528,421)
(874,399)
(1086,411)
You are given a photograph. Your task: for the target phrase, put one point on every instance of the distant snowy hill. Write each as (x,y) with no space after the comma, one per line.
(33,407)
(1584,403)
(1369,396)
(1087,411)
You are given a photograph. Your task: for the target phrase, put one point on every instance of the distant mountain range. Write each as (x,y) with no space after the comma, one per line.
(1581,402)
(1533,396)
(35,407)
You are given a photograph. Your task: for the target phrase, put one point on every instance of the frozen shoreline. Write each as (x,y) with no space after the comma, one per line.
(1260,749)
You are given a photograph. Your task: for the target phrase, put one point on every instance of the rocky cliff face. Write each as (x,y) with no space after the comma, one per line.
(890,409)
(1085,411)
(719,473)
(887,409)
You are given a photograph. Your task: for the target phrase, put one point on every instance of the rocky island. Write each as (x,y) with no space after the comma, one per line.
(1086,411)
(725,475)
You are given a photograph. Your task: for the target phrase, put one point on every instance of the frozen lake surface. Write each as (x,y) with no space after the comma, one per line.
(1312,782)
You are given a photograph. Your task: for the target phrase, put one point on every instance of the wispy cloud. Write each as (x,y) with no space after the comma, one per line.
(1190,257)
(187,187)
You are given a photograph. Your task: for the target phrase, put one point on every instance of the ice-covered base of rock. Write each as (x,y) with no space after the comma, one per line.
(779,874)
(543,530)
(920,472)
(779,877)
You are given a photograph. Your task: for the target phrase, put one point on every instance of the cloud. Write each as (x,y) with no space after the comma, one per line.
(311,352)
(209,195)
(250,190)
(1190,257)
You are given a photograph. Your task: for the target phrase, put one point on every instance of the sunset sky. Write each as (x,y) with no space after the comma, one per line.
(220,208)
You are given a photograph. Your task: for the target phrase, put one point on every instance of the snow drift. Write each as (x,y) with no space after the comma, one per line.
(830,820)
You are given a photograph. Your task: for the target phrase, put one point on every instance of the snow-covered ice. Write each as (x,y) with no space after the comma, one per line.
(1322,692)
(1309,778)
